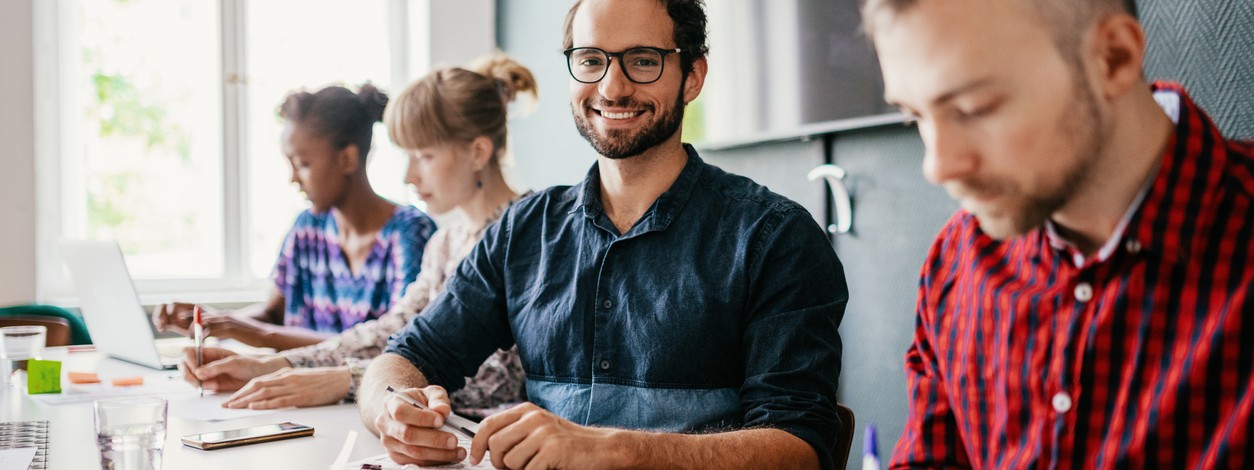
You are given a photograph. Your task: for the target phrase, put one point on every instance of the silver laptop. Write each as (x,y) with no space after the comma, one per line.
(118,324)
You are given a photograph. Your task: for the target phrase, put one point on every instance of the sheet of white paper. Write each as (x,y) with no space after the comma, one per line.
(386,462)
(16,459)
(191,406)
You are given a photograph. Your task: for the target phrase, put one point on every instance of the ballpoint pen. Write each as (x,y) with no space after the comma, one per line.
(198,329)
(453,424)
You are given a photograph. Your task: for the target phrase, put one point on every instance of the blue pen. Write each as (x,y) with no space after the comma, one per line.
(870,454)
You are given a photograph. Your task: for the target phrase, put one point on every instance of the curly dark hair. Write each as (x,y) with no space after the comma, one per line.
(690,29)
(338,114)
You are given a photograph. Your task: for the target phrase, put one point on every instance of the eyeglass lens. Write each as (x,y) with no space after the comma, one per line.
(589,65)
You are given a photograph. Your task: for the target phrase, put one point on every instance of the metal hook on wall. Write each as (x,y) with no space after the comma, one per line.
(835,177)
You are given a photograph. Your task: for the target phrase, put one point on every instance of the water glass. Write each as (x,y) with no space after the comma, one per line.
(130,432)
(19,344)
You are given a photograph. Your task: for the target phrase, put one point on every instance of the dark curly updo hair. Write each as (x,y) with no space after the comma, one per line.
(338,114)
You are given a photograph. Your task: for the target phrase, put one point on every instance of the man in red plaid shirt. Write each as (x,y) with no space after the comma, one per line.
(1092,304)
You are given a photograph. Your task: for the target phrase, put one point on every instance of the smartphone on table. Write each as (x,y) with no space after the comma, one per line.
(245,436)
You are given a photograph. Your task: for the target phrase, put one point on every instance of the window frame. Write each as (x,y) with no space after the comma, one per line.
(412,36)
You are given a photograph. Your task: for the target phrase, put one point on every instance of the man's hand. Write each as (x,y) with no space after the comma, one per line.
(411,435)
(527,436)
(224,370)
(293,387)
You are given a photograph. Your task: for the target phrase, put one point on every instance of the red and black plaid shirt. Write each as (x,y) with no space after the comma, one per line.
(1142,359)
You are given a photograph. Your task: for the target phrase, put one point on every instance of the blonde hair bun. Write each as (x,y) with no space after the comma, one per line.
(512,77)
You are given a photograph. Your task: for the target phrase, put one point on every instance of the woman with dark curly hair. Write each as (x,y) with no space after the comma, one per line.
(348,258)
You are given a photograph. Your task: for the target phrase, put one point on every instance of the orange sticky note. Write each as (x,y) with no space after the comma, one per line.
(127,381)
(83,377)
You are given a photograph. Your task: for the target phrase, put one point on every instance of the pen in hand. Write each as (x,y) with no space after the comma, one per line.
(198,328)
(446,427)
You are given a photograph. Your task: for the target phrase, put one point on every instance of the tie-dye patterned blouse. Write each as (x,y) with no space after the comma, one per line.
(321,292)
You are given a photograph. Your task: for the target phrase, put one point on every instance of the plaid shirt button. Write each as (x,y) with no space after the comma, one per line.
(1062,402)
(1083,292)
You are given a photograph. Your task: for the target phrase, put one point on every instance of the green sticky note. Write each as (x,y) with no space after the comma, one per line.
(43,376)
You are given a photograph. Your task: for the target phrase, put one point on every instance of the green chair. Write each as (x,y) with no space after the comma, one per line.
(78,329)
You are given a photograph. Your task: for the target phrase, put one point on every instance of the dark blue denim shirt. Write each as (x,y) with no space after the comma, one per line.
(718,310)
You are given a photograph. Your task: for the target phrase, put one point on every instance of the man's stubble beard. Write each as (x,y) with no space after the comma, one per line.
(620,144)
(1090,130)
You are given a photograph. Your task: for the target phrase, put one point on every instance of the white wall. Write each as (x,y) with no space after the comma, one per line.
(548,150)
(17,150)
(461,31)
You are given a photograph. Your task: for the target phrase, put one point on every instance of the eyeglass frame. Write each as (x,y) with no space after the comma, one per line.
(621,64)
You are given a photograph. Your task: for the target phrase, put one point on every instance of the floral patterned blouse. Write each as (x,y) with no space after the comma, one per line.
(499,382)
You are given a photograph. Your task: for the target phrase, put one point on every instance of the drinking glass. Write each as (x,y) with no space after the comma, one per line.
(19,344)
(130,432)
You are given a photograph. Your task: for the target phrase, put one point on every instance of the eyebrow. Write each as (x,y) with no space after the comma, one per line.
(950,94)
(628,48)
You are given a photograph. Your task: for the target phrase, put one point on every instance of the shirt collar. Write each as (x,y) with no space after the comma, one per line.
(1159,218)
(1060,243)
(663,210)
(1192,170)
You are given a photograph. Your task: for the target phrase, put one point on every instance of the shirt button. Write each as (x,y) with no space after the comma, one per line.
(1062,402)
(607,304)
(1083,292)
(605,364)
(1133,246)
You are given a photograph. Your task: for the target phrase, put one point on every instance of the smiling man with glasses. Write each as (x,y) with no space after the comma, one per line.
(668,314)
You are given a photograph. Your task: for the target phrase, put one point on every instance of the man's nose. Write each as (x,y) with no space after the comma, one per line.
(615,84)
(947,156)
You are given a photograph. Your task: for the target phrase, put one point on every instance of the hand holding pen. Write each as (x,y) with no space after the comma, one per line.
(453,424)
(198,328)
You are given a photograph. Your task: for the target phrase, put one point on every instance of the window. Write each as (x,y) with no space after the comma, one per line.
(167,131)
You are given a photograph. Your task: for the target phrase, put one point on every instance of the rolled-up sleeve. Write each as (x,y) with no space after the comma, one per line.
(792,340)
(465,324)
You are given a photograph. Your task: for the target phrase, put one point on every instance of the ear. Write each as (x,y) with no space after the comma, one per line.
(481,152)
(348,159)
(696,80)
(1118,52)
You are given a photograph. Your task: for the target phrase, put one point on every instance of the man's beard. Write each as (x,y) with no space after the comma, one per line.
(620,143)
(1087,128)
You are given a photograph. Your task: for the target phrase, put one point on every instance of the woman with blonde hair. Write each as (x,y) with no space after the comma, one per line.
(452,124)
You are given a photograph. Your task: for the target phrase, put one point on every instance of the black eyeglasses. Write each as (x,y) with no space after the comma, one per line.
(641,64)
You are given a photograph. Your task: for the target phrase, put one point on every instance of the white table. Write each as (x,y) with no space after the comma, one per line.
(72,440)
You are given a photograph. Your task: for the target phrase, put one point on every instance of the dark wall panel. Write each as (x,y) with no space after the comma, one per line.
(896,215)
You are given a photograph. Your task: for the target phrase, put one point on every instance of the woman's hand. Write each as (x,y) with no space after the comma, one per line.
(224,370)
(293,387)
(174,316)
(243,329)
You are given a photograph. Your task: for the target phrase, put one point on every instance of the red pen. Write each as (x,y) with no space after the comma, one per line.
(198,329)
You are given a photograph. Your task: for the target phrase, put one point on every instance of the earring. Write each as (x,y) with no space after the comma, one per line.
(478,180)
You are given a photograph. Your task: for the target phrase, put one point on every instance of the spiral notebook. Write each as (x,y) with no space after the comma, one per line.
(19,434)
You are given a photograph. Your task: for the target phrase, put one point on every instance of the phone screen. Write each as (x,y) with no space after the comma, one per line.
(248,433)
